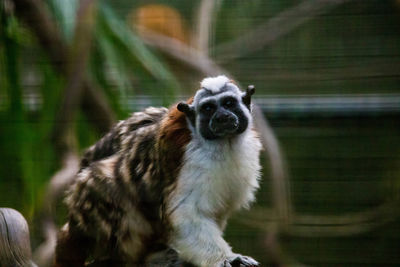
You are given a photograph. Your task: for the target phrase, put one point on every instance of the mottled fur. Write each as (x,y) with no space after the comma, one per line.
(118,198)
(154,183)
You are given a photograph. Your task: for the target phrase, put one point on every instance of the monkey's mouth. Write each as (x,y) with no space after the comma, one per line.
(224,128)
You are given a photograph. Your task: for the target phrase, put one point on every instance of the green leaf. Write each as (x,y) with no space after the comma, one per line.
(131,50)
(65,15)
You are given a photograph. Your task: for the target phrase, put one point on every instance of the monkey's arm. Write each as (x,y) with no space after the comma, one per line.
(198,239)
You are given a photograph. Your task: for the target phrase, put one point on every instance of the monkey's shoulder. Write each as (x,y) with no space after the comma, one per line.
(137,120)
(123,134)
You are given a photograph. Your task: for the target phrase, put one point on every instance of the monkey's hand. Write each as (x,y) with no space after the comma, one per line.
(238,260)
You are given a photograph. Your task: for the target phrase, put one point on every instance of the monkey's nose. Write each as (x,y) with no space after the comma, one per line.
(223,123)
(223,117)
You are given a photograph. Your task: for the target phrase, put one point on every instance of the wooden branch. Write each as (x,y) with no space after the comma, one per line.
(277,27)
(15,246)
(279,177)
(344,225)
(78,54)
(36,17)
(96,108)
(282,206)
(183,53)
(44,254)
(205,19)
(325,225)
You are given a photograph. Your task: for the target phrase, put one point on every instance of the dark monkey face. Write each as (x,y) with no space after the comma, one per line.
(218,114)
(221,117)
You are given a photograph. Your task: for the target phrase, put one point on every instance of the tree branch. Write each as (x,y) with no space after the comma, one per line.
(281,25)
(324,225)
(280,181)
(183,53)
(15,247)
(205,18)
(79,51)
(36,16)
(70,63)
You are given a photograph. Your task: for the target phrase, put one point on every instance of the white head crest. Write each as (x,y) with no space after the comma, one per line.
(214,84)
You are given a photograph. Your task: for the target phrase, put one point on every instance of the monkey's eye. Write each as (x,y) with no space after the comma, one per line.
(229,102)
(208,107)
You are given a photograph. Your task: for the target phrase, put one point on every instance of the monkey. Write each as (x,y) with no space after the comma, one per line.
(166,179)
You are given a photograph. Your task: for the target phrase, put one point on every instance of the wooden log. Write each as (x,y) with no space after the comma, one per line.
(15,246)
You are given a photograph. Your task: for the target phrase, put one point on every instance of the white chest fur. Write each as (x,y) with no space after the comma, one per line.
(218,177)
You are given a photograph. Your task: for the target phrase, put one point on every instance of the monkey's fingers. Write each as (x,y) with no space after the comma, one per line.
(244,261)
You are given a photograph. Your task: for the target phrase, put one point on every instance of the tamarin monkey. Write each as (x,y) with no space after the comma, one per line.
(166,179)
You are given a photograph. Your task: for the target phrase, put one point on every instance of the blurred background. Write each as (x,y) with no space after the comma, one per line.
(327,75)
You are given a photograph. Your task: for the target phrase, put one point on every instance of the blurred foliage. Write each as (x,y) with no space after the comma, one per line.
(119,63)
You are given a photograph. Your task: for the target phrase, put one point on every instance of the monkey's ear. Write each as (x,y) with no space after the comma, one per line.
(187,109)
(246,98)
